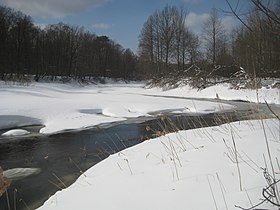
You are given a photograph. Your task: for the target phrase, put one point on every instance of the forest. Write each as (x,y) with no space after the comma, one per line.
(166,47)
(58,50)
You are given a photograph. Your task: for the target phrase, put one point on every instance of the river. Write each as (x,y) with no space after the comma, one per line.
(61,158)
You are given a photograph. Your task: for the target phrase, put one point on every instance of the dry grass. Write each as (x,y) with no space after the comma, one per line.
(4,183)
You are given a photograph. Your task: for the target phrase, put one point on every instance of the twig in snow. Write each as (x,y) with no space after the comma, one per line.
(212,193)
(222,190)
(128,165)
(237,163)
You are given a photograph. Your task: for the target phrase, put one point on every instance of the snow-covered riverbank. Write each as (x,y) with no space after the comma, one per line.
(70,106)
(195,169)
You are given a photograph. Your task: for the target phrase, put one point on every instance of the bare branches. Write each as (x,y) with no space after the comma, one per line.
(214,35)
(165,40)
(268,195)
(269,13)
(234,11)
(266,11)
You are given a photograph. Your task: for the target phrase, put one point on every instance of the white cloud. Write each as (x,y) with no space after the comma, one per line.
(52,8)
(41,25)
(195,21)
(103,26)
(229,23)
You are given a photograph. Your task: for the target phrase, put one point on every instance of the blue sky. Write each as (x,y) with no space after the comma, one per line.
(121,20)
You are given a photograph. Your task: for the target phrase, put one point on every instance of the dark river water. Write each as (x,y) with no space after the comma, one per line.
(62,157)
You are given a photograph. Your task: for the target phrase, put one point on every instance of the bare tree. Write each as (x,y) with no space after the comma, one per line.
(192,47)
(146,39)
(181,36)
(129,64)
(257,43)
(168,27)
(165,41)
(213,32)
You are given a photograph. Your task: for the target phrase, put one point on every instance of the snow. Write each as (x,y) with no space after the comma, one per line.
(20,173)
(71,106)
(66,106)
(226,92)
(179,171)
(194,169)
(16,132)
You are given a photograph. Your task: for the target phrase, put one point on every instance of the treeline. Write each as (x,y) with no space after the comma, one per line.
(58,50)
(167,46)
(256,44)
